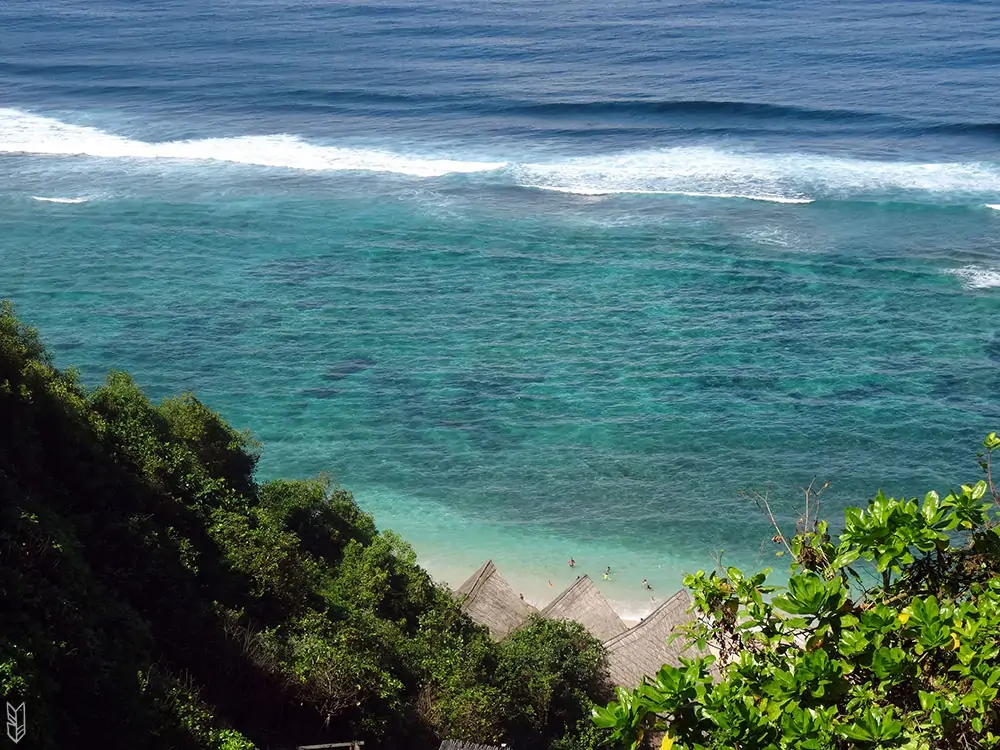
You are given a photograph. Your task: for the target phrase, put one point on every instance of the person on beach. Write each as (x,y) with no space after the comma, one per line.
(607,573)
(572,563)
(522,597)
(645,585)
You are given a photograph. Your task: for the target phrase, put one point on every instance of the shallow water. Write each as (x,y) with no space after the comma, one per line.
(535,281)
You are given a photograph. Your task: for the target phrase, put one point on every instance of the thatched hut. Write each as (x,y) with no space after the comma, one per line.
(586,605)
(643,649)
(489,600)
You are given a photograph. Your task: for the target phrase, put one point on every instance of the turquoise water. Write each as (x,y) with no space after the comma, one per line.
(520,315)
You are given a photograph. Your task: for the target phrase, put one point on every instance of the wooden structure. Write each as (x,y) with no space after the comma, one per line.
(489,600)
(586,605)
(459,745)
(643,649)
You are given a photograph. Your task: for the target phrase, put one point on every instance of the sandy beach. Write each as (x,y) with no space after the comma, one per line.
(629,599)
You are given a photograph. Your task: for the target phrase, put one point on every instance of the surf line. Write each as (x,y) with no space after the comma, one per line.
(58,200)
(686,193)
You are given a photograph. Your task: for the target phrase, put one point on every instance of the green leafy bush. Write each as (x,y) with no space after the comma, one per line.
(166,600)
(888,638)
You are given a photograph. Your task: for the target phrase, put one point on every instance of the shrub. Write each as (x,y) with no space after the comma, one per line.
(888,638)
(165,600)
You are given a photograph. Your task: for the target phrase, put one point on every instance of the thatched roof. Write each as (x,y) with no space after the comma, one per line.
(489,600)
(585,604)
(643,649)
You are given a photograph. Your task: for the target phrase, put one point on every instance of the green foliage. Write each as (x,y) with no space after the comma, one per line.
(156,596)
(323,517)
(186,719)
(903,654)
(224,453)
(556,668)
(268,556)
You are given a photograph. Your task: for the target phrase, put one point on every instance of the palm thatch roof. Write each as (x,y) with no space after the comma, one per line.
(489,600)
(585,604)
(643,649)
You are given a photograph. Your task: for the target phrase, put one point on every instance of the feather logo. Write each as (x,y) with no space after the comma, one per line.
(16,722)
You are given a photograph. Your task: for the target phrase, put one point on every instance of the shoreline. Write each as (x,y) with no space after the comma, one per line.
(626,599)
(451,547)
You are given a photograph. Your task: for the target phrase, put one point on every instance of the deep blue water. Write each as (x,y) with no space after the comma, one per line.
(536,280)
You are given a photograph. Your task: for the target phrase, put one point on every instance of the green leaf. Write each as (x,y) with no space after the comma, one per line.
(605,718)
(845,558)
(855,731)
(888,663)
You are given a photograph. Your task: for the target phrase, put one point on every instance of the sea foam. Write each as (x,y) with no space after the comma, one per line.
(597,191)
(696,171)
(45,199)
(785,178)
(975,277)
(25,133)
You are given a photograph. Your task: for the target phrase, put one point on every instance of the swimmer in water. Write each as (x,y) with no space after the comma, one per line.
(645,585)
(572,563)
(607,573)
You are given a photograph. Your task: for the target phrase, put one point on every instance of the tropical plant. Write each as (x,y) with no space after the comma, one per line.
(887,637)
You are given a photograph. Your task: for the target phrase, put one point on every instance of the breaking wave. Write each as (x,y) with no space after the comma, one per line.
(25,133)
(975,277)
(697,171)
(45,199)
(791,178)
(687,193)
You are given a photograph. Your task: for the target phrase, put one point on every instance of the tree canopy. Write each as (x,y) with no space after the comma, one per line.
(155,595)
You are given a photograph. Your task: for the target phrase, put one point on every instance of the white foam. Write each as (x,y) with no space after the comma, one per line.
(994,206)
(767,198)
(58,200)
(785,178)
(632,613)
(773,236)
(24,133)
(689,193)
(697,171)
(974,277)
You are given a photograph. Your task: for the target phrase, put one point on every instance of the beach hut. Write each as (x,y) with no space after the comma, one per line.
(489,600)
(643,649)
(586,605)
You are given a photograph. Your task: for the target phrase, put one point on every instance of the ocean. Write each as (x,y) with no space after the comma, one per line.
(535,280)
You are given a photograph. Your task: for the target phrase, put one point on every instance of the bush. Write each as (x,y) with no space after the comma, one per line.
(164,599)
(888,638)
(558,670)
